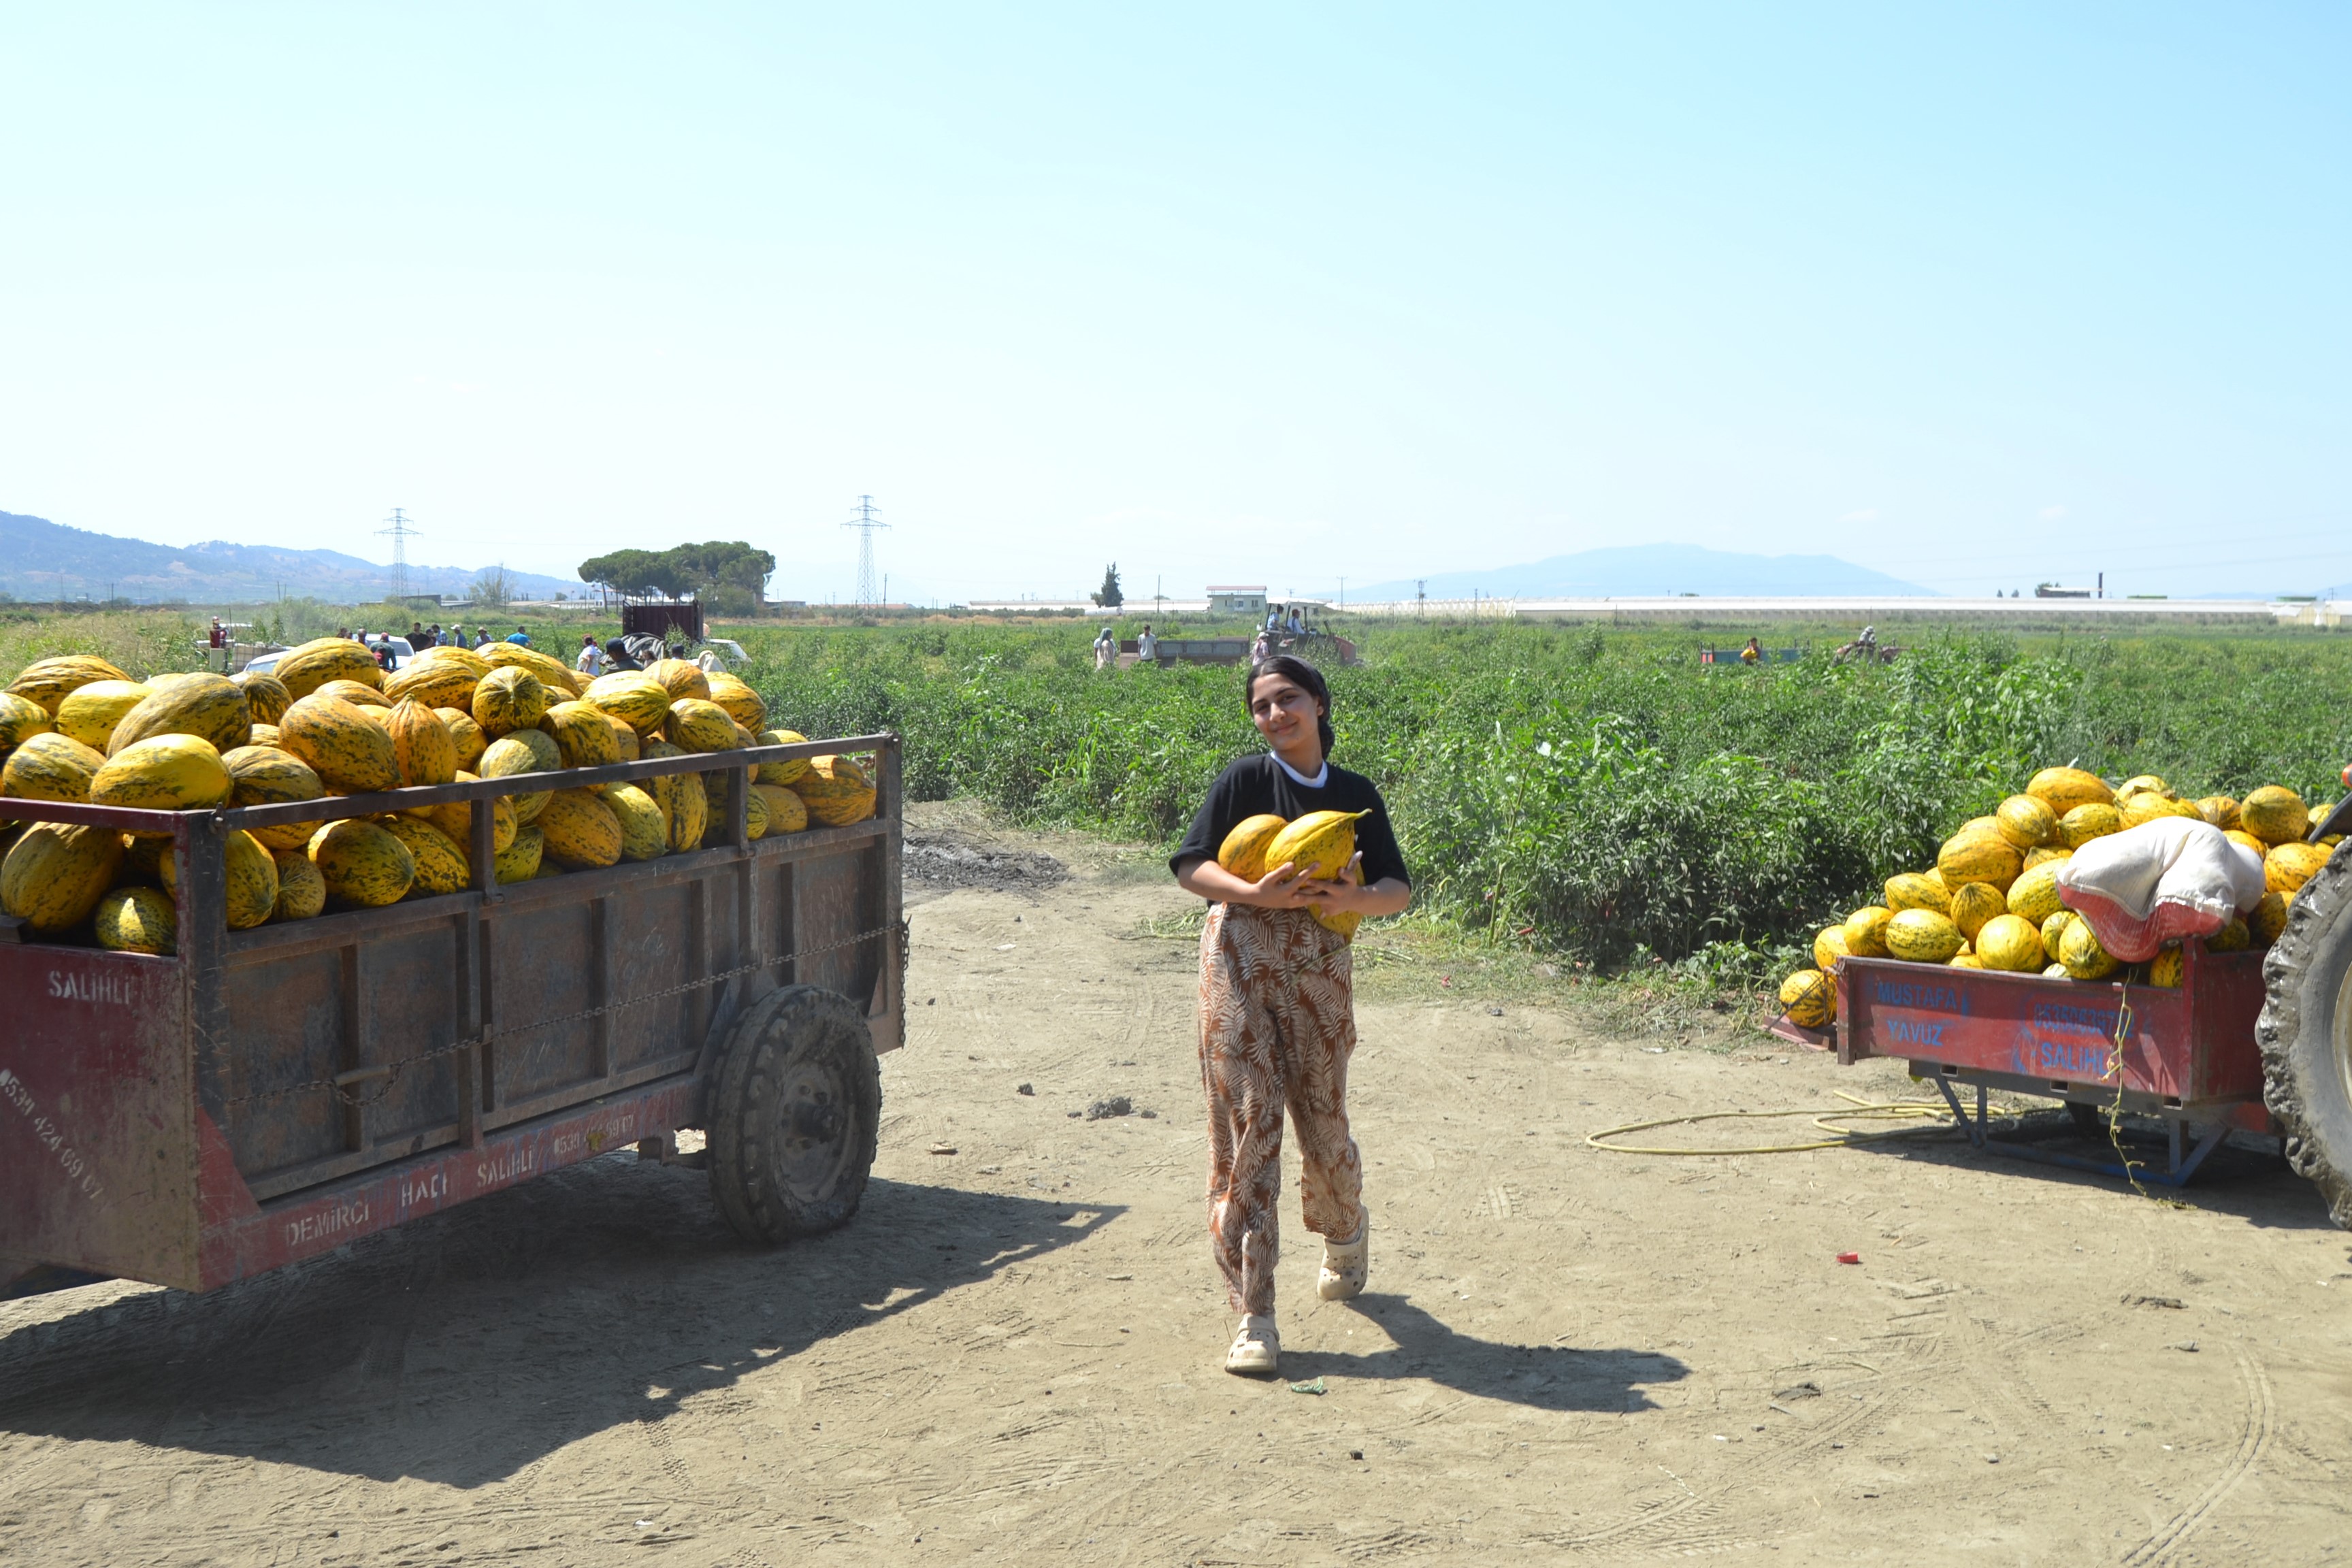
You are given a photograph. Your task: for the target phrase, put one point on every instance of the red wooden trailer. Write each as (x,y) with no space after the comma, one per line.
(268,1095)
(2185,1055)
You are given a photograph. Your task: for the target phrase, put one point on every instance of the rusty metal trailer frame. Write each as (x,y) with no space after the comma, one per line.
(2185,1055)
(268,1095)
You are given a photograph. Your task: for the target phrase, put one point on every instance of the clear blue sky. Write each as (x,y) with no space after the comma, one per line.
(1976,297)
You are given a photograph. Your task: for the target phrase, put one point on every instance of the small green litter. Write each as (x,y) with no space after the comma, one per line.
(1314,1387)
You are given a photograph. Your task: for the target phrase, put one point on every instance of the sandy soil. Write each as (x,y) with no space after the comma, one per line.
(1013,1354)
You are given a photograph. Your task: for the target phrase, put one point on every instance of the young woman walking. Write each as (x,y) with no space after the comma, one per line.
(1277,1005)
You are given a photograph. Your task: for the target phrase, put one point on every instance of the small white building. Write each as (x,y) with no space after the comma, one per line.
(1233,599)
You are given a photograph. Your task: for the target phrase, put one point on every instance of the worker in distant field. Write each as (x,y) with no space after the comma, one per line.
(1752,653)
(1277,1005)
(519,637)
(1105,647)
(1146,646)
(591,659)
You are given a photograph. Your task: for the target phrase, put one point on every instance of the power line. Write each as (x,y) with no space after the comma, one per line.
(401,533)
(866,522)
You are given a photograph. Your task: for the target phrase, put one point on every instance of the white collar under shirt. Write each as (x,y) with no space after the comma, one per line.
(1322,775)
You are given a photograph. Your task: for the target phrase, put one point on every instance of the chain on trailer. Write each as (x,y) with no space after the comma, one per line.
(390,1072)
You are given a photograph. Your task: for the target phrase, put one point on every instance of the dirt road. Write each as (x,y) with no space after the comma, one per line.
(1013,1354)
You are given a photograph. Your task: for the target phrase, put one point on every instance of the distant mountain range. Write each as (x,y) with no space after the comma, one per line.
(44,559)
(1644,571)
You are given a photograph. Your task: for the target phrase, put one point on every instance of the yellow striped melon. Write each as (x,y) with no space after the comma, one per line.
(422,746)
(455,818)
(1809,999)
(170,773)
(50,766)
(1912,891)
(743,705)
(464,733)
(304,670)
(2289,866)
(2245,840)
(698,724)
(633,697)
(508,698)
(560,680)
(2034,894)
(2267,919)
(351,756)
(645,831)
(440,864)
(2167,968)
(263,735)
(787,813)
(511,757)
(359,694)
(2234,937)
(1243,851)
(2146,783)
(265,775)
(630,743)
(680,678)
(443,683)
(136,919)
(690,812)
(2013,944)
(89,714)
(1965,960)
(364,864)
(1974,903)
(2085,823)
(252,880)
(2027,821)
(2063,789)
(755,816)
(2054,927)
(1923,936)
(518,861)
(301,891)
(210,706)
(465,659)
(46,682)
(266,695)
(2274,816)
(1979,858)
(56,872)
(581,829)
(2221,810)
(1865,932)
(21,718)
(581,735)
(2080,950)
(141,860)
(2047,854)
(790,772)
(1829,946)
(1319,843)
(2148,807)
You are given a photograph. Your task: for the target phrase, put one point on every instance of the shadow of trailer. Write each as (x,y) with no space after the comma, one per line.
(262,1096)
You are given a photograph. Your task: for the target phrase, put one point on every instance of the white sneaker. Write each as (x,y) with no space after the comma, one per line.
(1346,1264)
(1256,1349)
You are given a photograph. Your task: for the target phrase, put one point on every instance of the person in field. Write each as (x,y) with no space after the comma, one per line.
(1277,1005)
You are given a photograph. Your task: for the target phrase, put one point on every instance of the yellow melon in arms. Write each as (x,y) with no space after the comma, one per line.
(1243,851)
(1319,843)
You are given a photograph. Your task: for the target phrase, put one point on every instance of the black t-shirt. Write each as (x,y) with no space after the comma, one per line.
(1259,786)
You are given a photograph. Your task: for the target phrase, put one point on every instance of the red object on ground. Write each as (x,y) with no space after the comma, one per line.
(1849,1258)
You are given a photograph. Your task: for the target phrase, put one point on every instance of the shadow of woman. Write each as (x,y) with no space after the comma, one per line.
(1547,1377)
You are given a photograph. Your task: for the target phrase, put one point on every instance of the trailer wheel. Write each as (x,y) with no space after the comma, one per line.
(2306,1034)
(794,1122)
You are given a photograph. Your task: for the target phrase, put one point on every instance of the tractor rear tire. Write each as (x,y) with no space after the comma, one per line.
(796,1115)
(2305,1035)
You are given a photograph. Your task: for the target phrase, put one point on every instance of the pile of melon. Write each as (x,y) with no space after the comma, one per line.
(327,723)
(1990,901)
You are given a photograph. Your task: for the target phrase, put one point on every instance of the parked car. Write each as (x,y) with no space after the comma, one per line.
(401,654)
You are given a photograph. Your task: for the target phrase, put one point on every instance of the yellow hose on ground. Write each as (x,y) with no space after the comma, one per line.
(1916,1113)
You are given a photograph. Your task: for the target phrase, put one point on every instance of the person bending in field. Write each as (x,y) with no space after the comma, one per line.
(1277,1005)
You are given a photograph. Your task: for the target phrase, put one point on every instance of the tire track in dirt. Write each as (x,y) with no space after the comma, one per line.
(2256,1427)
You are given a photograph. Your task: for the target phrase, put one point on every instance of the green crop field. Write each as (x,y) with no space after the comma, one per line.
(1590,792)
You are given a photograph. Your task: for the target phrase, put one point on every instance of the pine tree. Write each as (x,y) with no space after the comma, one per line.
(1107,596)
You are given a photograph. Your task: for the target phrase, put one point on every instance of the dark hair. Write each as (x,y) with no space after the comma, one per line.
(1303,676)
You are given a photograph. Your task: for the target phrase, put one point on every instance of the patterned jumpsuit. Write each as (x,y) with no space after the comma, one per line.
(1278,1026)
